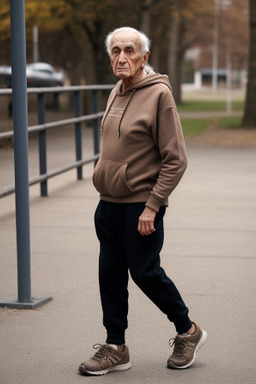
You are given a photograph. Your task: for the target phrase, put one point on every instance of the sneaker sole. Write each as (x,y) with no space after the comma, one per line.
(199,345)
(121,367)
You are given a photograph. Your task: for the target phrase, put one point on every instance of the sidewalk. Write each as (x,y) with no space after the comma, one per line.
(209,251)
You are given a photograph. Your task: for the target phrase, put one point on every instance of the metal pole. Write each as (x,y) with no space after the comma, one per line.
(78,134)
(42,143)
(35,43)
(96,135)
(20,123)
(215,50)
(228,78)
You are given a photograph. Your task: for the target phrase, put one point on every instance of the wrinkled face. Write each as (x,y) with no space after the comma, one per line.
(126,58)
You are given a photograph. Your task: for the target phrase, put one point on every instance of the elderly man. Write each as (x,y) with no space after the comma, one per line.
(142,160)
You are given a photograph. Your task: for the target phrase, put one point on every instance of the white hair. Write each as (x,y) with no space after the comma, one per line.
(145,42)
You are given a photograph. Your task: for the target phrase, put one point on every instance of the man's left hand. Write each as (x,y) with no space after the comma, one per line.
(146,222)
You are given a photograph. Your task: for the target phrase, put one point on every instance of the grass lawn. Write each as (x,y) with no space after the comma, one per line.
(229,122)
(194,127)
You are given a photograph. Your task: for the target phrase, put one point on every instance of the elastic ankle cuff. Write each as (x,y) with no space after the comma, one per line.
(114,337)
(183,325)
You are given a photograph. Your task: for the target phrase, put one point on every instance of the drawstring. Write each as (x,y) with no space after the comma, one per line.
(106,112)
(108,109)
(128,102)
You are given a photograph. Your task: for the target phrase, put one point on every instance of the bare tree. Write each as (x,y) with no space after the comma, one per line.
(146,16)
(249,119)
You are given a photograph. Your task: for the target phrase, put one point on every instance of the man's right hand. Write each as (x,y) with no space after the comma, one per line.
(146,222)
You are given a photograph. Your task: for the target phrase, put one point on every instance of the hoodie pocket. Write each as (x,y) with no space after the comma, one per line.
(109,178)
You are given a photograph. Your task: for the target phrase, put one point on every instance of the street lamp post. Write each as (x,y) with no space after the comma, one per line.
(228,77)
(225,5)
(215,48)
(35,43)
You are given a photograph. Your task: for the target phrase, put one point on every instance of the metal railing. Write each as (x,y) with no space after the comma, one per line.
(42,127)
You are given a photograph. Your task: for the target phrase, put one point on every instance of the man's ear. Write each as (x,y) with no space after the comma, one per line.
(145,58)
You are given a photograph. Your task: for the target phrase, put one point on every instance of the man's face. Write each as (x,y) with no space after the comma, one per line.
(126,58)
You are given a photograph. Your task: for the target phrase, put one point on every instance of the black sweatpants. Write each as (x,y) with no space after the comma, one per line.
(122,248)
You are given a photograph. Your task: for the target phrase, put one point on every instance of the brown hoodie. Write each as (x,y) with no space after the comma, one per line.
(143,153)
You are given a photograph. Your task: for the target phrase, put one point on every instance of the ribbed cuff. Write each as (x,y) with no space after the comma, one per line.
(154,203)
(115,337)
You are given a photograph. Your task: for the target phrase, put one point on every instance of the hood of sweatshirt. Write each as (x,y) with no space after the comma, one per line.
(150,79)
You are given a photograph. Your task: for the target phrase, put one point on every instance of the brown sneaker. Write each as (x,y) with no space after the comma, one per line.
(185,348)
(105,360)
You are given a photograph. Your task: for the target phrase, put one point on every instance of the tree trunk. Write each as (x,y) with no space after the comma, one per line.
(154,57)
(174,58)
(249,119)
(145,16)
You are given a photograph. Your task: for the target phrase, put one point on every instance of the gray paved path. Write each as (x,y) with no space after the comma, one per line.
(209,252)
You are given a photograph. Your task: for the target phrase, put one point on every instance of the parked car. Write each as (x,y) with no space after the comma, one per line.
(5,75)
(38,75)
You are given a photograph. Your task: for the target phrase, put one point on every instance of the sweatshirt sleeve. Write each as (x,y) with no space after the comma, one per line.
(169,139)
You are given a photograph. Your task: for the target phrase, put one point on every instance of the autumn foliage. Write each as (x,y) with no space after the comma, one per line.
(72,33)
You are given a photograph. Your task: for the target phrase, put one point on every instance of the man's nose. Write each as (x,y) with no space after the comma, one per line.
(122,58)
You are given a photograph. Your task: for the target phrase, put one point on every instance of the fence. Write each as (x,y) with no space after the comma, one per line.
(42,127)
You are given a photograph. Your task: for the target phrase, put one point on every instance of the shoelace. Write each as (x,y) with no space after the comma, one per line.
(102,351)
(179,345)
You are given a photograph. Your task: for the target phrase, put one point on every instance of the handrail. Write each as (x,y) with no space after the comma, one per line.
(38,179)
(55,124)
(68,88)
(42,127)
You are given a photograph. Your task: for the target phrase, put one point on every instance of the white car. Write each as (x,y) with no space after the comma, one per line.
(38,75)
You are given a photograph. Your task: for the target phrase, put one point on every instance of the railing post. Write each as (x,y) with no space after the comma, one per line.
(78,134)
(20,124)
(96,133)
(42,142)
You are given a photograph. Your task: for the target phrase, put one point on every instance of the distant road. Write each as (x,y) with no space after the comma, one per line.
(210,114)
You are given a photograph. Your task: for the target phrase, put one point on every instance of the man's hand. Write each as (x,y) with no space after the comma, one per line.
(146,222)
